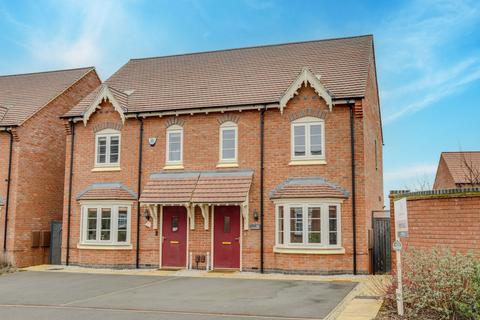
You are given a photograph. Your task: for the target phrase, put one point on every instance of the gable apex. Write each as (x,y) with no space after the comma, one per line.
(110,94)
(306,77)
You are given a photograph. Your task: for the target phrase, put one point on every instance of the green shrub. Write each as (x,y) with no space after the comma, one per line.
(440,284)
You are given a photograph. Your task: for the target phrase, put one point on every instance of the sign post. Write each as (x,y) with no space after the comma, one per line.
(401,231)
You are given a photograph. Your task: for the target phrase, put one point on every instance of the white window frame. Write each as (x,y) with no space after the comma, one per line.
(224,127)
(174,129)
(108,134)
(114,207)
(307,122)
(324,217)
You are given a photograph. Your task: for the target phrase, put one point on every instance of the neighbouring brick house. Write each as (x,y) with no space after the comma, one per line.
(32,157)
(234,159)
(458,170)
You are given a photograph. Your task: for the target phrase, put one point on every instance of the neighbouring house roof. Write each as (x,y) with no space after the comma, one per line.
(198,187)
(458,164)
(22,95)
(236,77)
(106,191)
(308,187)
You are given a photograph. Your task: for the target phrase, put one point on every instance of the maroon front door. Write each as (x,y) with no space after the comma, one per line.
(174,232)
(226,239)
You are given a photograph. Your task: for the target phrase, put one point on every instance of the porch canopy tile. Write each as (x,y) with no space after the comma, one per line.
(170,188)
(308,187)
(198,187)
(223,187)
(106,191)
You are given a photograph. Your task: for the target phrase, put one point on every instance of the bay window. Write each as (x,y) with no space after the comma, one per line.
(308,225)
(105,224)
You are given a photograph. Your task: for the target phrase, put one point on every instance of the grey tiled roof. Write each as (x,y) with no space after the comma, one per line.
(107,191)
(308,187)
(245,76)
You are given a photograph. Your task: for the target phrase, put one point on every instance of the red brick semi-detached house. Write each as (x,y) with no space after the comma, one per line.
(32,158)
(233,159)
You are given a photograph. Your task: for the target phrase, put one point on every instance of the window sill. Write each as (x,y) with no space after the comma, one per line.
(106,169)
(323,251)
(90,246)
(307,162)
(173,167)
(227,165)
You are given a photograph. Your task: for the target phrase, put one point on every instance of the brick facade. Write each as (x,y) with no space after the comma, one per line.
(448,219)
(38,162)
(443,179)
(201,143)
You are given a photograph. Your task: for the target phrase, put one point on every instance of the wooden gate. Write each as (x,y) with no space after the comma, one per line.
(381,245)
(56,242)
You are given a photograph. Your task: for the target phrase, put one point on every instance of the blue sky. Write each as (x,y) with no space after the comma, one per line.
(428,54)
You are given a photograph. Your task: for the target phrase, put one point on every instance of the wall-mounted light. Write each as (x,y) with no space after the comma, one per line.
(255,214)
(146,215)
(152,141)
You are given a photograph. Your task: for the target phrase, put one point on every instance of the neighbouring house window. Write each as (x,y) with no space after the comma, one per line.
(228,142)
(308,139)
(107,148)
(105,224)
(174,145)
(308,225)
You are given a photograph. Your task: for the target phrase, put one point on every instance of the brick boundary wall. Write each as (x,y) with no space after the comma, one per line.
(446,218)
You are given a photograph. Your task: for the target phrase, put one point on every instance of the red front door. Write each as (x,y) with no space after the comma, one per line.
(174,231)
(226,239)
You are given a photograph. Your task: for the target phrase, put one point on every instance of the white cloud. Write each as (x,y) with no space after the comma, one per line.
(414,171)
(413,44)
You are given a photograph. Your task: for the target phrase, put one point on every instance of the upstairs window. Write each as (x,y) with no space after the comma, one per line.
(174,150)
(107,148)
(228,142)
(308,139)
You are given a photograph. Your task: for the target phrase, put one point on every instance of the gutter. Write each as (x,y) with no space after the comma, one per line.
(70,183)
(262,160)
(140,156)
(354,206)
(7,201)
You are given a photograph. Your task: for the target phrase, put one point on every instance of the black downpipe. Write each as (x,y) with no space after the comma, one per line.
(70,183)
(7,201)
(354,222)
(262,155)
(140,155)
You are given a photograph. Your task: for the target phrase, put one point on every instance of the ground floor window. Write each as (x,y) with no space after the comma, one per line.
(105,224)
(313,224)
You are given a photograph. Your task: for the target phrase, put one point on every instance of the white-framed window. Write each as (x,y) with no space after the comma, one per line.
(107,148)
(308,139)
(228,142)
(308,224)
(174,152)
(106,224)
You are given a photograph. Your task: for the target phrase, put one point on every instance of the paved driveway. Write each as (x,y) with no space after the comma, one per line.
(57,295)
